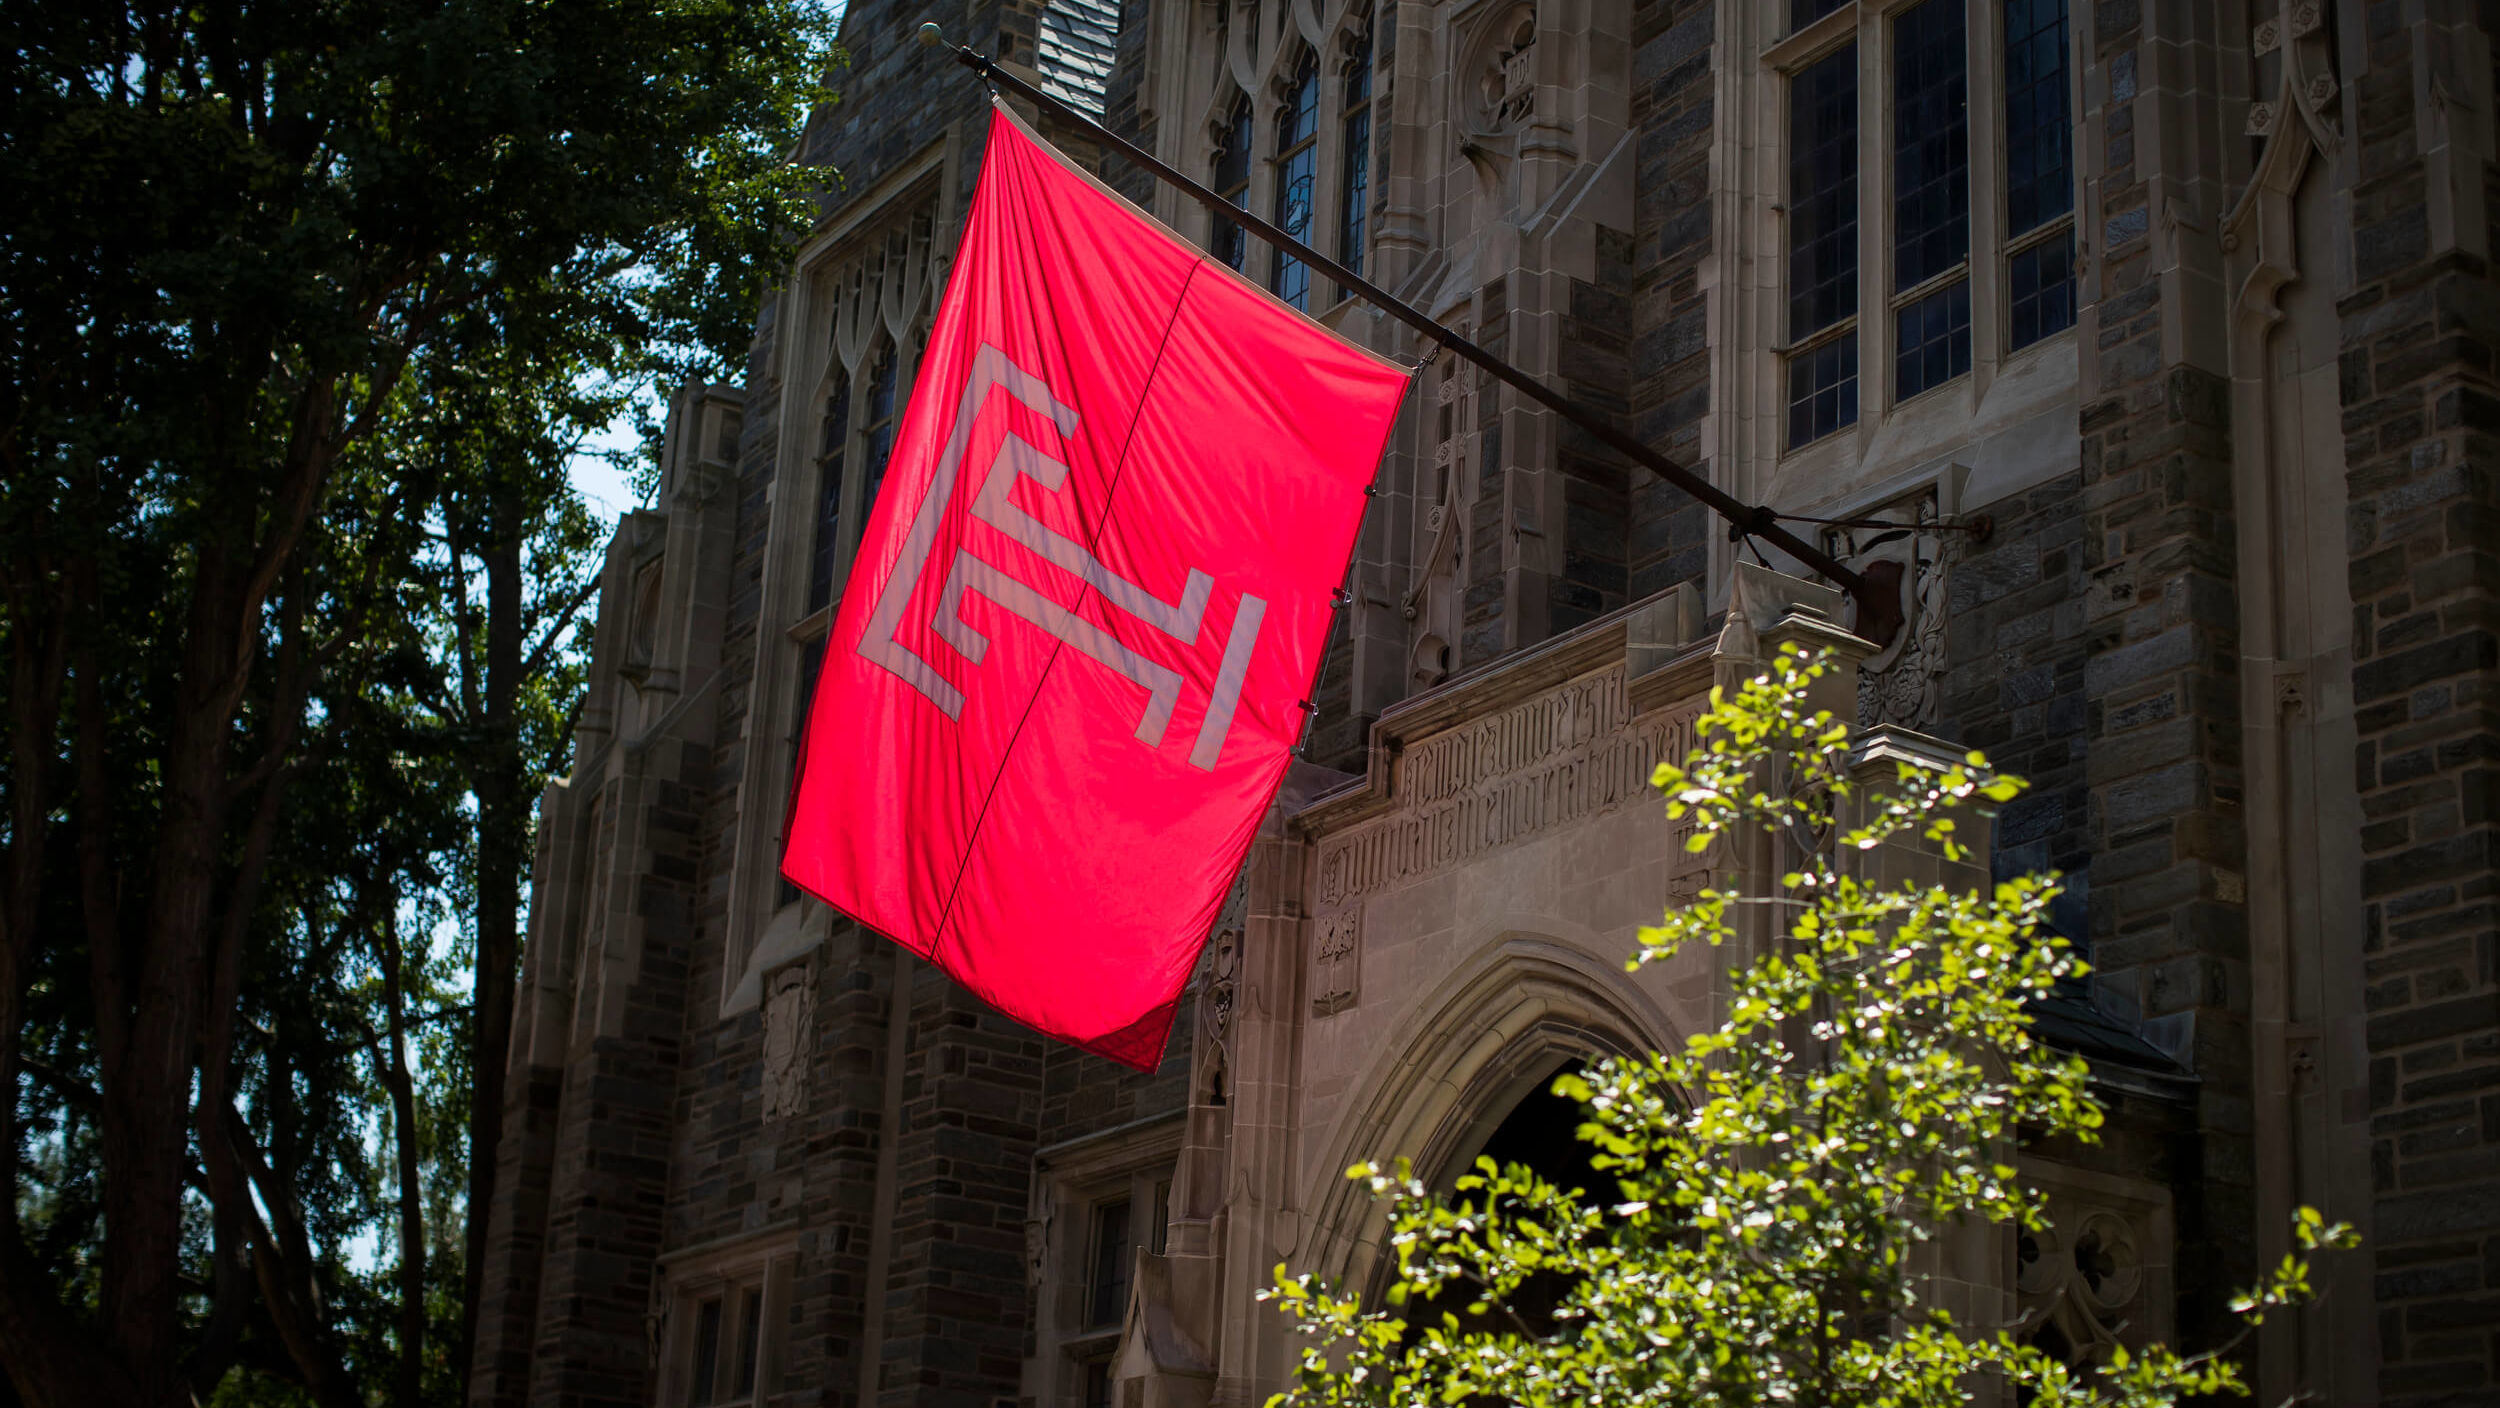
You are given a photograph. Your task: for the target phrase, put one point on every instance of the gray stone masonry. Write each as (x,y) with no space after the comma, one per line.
(1667,538)
(2422,445)
(2160,683)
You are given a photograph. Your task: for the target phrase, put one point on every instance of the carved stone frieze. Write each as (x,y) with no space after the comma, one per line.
(1570,753)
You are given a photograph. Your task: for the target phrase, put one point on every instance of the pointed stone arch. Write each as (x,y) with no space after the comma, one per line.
(1448,1073)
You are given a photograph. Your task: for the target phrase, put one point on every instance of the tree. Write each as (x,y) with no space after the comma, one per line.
(492,427)
(1776,1177)
(235,228)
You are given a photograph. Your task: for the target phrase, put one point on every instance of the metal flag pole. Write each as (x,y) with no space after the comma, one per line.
(1879,604)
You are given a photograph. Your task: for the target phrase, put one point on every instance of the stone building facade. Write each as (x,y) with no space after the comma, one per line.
(2152,342)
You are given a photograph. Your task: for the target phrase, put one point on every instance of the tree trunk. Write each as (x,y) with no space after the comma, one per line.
(149,1008)
(409,1382)
(39,663)
(501,830)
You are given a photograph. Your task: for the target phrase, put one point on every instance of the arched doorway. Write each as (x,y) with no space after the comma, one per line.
(1541,1131)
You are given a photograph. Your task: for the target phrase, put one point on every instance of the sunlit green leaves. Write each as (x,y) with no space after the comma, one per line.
(1873,1073)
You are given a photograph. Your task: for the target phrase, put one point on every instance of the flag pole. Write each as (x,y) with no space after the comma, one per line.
(1879,605)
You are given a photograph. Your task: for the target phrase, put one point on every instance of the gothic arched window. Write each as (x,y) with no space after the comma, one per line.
(1297,170)
(1232,181)
(1354,187)
(1947,297)
(877,437)
(833,441)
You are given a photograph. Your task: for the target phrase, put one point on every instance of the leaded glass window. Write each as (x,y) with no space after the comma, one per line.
(833,443)
(1297,157)
(1354,193)
(877,441)
(1230,242)
(2039,172)
(1930,196)
(1823,246)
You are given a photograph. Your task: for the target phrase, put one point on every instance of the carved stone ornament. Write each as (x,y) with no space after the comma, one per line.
(1336,962)
(2079,1281)
(1688,871)
(1902,685)
(1220,990)
(1435,599)
(789,1035)
(2260,119)
(1509,83)
(1502,68)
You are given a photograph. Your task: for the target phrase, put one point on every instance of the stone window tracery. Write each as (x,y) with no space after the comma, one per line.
(1950,296)
(2039,173)
(833,442)
(1930,196)
(1354,189)
(1102,1201)
(871,294)
(1823,247)
(1297,170)
(883,408)
(722,1337)
(1229,241)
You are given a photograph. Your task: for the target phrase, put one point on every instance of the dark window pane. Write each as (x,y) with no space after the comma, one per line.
(1109,1298)
(1098,1383)
(1355,193)
(2039,174)
(706,1352)
(1823,193)
(883,401)
(1932,340)
(751,1343)
(811,667)
(1297,155)
(1930,142)
(1805,12)
(2041,290)
(1232,181)
(832,440)
(1822,389)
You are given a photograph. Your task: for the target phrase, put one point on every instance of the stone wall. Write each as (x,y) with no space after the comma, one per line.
(615,1132)
(2422,441)
(2014,683)
(2161,718)
(1668,536)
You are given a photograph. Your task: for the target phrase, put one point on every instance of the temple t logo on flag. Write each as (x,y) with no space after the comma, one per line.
(1067,671)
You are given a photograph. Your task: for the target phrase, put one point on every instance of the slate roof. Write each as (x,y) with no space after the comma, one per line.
(1079,40)
(2068,1020)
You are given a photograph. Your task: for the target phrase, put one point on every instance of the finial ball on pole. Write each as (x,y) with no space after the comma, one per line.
(931,36)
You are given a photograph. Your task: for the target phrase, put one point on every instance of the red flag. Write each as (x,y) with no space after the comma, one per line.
(1067,671)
